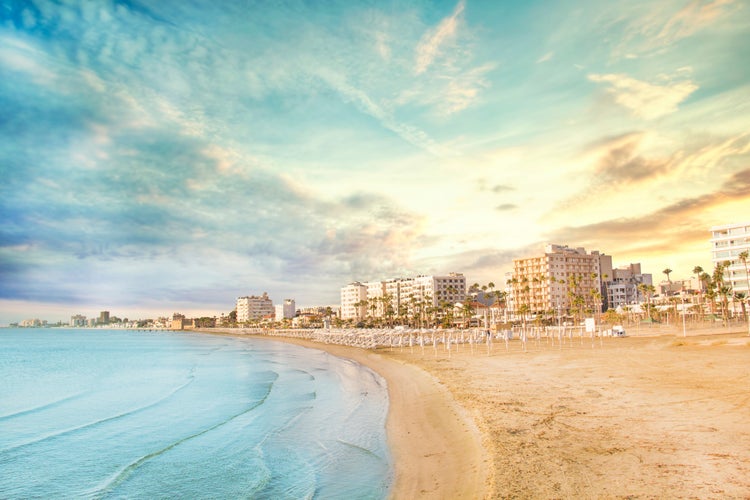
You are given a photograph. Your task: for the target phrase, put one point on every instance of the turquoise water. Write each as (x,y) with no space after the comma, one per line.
(127,414)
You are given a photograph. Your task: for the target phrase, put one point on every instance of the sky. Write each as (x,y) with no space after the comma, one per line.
(170,156)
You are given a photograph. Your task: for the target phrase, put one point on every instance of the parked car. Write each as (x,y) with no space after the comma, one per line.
(618,331)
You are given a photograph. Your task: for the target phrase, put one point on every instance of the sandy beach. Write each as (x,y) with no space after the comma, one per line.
(637,417)
(435,444)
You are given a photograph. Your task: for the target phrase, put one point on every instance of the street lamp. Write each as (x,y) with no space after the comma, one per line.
(684,331)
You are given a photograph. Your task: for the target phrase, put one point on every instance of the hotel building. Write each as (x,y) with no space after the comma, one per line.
(353,296)
(285,310)
(549,282)
(727,243)
(254,308)
(400,294)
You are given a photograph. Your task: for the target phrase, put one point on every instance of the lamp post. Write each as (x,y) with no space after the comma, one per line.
(684,330)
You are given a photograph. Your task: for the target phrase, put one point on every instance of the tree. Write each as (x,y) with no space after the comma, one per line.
(648,291)
(741,296)
(722,288)
(743,258)
(668,271)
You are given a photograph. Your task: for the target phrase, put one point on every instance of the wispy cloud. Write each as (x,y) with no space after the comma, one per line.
(663,25)
(691,18)
(645,100)
(429,47)
(546,57)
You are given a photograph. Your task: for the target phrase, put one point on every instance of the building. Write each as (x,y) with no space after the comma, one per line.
(32,323)
(437,290)
(353,297)
(178,321)
(254,308)
(562,279)
(104,318)
(622,289)
(401,296)
(285,310)
(727,243)
(78,320)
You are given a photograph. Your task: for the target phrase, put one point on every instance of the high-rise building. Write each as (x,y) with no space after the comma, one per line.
(379,299)
(253,308)
(622,288)
(727,243)
(104,318)
(353,296)
(78,320)
(285,310)
(447,289)
(561,279)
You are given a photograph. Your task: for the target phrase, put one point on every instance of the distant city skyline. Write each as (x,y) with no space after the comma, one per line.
(163,157)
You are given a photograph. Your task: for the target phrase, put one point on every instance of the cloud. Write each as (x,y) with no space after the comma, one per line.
(691,18)
(645,100)
(16,55)
(463,90)
(677,224)
(429,46)
(505,207)
(500,188)
(409,133)
(662,26)
(546,57)
(620,162)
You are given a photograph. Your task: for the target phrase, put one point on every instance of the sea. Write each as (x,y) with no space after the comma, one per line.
(95,413)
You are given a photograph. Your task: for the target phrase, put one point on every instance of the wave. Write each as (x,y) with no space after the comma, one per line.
(123,474)
(361,449)
(73,430)
(46,406)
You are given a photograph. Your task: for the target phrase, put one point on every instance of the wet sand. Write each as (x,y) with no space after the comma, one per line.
(435,444)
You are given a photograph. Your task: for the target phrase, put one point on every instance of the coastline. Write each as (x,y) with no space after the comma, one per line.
(435,444)
(643,416)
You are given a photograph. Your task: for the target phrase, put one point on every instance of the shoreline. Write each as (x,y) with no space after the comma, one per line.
(643,416)
(435,444)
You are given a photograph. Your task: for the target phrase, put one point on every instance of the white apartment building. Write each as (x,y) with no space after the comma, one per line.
(352,297)
(545,283)
(727,243)
(285,310)
(400,295)
(251,308)
(447,289)
(375,299)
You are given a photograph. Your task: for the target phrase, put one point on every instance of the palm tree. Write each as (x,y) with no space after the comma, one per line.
(647,290)
(668,271)
(698,271)
(467,310)
(741,296)
(743,258)
(722,288)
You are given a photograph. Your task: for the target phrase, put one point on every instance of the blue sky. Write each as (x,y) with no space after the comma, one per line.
(161,157)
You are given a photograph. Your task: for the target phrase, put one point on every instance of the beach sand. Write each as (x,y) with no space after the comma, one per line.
(635,417)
